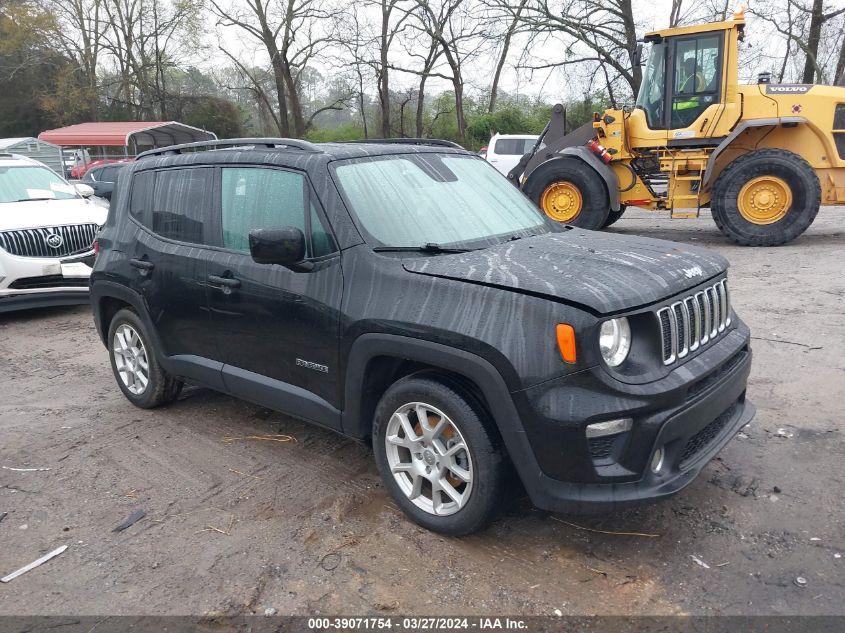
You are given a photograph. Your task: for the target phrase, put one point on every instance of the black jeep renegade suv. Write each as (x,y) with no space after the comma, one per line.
(407,295)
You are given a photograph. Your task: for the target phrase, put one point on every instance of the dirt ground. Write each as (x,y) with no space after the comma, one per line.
(304,527)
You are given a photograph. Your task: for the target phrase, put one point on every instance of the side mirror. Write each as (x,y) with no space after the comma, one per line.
(638,56)
(285,246)
(84,190)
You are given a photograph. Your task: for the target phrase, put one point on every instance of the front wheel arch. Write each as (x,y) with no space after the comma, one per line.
(491,383)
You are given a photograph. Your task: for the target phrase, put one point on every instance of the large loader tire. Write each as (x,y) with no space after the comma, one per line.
(766,198)
(570,192)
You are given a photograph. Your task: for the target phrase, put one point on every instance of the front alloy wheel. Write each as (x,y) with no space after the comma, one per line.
(439,454)
(428,458)
(130,359)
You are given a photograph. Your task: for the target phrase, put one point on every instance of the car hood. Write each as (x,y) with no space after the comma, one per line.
(38,213)
(602,272)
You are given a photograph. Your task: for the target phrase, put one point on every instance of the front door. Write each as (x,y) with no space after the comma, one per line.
(695,80)
(277,328)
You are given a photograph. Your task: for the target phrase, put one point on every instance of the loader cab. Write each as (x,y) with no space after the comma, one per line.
(688,84)
(681,80)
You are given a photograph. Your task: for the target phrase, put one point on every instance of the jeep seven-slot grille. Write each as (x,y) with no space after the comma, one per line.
(694,321)
(51,241)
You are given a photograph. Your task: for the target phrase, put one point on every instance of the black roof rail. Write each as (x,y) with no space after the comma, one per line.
(437,142)
(269,143)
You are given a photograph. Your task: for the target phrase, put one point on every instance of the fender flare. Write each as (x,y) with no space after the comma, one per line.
(739,129)
(608,176)
(466,364)
(103,289)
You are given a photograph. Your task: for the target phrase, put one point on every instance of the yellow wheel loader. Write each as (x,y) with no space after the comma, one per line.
(762,157)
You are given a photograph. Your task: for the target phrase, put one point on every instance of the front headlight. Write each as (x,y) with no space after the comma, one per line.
(615,341)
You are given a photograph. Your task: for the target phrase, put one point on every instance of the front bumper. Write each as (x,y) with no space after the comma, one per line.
(691,415)
(35,282)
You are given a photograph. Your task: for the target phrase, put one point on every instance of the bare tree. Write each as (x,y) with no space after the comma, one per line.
(456,34)
(80,30)
(510,30)
(390,26)
(803,26)
(839,74)
(605,30)
(675,13)
(292,33)
(144,37)
(818,18)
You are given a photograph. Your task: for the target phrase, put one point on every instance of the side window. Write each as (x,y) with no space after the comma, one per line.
(141,196)
(107,174)
(260,198)
(696,78)
(181,203)
(509,147)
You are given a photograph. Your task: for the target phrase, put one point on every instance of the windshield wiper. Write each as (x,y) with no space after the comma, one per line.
(430,247)
(33,199)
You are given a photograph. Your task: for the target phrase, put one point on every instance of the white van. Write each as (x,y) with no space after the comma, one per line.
(505,150)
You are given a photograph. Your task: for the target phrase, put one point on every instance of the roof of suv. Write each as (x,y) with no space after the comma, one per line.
(326,151)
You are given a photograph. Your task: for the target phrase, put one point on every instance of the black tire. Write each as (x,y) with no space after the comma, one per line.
(595,201)
(792,169)
(489,464)
(162,388)
(613,216)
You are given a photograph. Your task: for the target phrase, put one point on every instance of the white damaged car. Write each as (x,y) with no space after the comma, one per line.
(47,233)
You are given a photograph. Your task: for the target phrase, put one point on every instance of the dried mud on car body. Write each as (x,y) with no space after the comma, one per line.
(239,525)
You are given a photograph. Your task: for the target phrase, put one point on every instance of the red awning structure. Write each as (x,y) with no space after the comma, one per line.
(129,134)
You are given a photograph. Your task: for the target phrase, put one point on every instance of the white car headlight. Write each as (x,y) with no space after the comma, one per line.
(615,341)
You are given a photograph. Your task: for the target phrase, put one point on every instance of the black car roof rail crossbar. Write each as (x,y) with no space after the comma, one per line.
(270,143)
(437,142)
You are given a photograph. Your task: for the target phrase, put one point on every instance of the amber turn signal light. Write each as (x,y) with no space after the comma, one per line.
(566,342)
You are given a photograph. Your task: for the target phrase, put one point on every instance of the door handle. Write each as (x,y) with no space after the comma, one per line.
(142,264)
(229,283)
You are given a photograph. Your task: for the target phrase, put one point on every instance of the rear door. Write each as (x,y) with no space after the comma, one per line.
(170,260)
(277,329)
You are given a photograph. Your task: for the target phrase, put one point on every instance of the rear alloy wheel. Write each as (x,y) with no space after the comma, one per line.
(437,456)
(135,363)
(569,191)
(766,198)
(130,359)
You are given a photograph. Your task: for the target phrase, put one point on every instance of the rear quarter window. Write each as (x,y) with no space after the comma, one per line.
(181,203)
(141,197)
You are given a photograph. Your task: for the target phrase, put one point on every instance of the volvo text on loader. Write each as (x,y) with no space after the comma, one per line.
(762,157)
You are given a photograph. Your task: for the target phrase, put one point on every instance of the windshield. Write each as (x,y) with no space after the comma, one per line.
(419,199)
(651,97)
(22,183)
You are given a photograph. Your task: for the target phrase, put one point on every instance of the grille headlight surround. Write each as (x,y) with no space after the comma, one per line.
(615,341)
